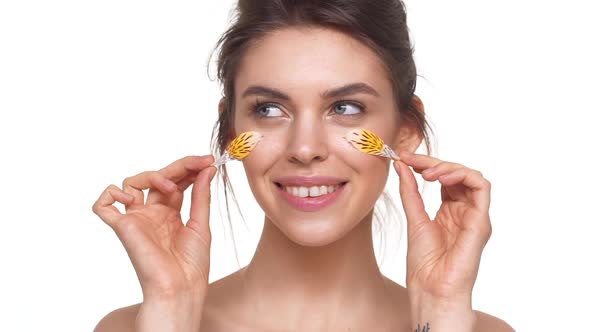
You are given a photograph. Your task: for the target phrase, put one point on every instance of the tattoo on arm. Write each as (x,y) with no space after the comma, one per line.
(425,328)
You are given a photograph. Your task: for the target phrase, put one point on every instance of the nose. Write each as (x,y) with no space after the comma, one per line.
(307,141)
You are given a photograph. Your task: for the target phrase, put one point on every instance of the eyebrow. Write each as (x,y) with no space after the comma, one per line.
(344,90)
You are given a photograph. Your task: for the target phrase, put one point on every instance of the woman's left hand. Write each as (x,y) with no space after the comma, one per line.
(444,254)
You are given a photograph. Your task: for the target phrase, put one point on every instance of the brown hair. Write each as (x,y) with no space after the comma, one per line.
(379,24)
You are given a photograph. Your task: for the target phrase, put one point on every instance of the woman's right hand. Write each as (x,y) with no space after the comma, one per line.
(169,257)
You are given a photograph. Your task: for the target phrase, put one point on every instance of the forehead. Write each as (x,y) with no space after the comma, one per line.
(298,58)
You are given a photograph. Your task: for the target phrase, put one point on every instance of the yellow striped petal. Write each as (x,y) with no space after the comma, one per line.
(239,148)
(242,145)
(367,141)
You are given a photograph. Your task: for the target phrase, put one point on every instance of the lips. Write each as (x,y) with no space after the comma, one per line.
(309,204)
(312,191)
(309,181)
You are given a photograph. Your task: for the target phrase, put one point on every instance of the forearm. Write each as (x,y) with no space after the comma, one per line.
(170,314)
(435,315)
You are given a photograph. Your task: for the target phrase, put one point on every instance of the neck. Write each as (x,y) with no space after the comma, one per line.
(296,283)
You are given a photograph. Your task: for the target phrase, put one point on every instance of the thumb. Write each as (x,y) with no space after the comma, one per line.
(201,201)
(411,198)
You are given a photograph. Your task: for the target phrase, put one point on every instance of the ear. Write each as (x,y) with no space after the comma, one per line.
(409,135)
(221,106)
(220,109)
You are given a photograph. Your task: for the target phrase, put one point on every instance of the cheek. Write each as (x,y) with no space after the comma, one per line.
(264,155)
(360,162)
(371,181)
(370,172)
(369,169)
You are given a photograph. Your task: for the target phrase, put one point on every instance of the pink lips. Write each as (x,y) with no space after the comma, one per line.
(310,204)
(309,180)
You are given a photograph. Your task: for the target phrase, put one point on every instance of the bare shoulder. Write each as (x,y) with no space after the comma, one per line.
(485,322)
(122,319)
(223,309)
(215,315)
(489,323)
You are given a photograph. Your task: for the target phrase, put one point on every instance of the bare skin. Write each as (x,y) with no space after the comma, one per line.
(314,271)
(222,313)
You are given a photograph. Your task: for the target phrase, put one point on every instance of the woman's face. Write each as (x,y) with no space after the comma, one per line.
(288,88)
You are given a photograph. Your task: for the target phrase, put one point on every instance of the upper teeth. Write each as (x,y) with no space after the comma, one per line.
(311,191)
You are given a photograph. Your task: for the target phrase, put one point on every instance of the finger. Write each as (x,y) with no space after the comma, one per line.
(411,198)
(103,207)
(183,172)
(181,168)
(200,202)
(478,188)
(432,173)
(418,161)
(187,181)
(146,180)
(190,179)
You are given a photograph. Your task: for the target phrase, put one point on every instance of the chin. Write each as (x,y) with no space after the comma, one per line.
(313,232)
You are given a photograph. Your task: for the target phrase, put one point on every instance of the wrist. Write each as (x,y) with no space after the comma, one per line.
(429,313)
(170,312)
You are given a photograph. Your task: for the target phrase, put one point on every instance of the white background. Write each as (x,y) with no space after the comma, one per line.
(92,92)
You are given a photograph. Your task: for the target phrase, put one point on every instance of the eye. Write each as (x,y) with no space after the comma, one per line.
(266,110)
(348,108)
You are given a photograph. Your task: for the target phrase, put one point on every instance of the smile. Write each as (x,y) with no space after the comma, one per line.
(313,191)
(310,198)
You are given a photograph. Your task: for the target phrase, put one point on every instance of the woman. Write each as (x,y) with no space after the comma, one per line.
(304,73)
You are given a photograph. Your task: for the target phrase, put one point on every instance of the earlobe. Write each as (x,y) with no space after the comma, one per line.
(417,102)
(221,106)
(409,135)
(221,109)
(409,139)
